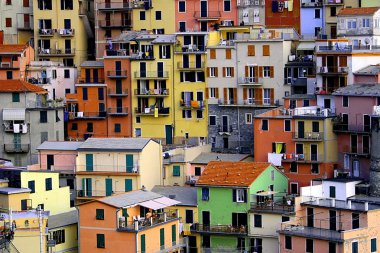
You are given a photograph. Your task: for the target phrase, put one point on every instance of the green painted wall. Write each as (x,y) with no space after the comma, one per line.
(370,3)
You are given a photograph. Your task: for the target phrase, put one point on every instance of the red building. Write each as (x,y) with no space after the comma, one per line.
(282,14)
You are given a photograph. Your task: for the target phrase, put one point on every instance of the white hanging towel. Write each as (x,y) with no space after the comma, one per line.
(16,128)
(24,128)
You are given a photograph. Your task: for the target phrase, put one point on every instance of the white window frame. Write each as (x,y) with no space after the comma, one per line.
(212,93)
(228,72)
(266,71)
(365,22)
(251,95)
(351,23)
(230,5)
(212,72)
(178,7)
(240,196)
(187,114)
(248,118)
(266,96)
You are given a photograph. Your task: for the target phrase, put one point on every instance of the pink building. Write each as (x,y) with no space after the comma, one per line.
(369,74)
(202,15)
(354,105)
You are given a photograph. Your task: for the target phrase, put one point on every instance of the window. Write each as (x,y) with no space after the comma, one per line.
(332,247)
(287,125)
(176,171)
(15,97)
(100,93)
(74,126)
(31,186)
(182,26)
(257,221)
(351,24)
(248,118)
(266,50)
(8,2)
(267,96)
(9,75)
(143,245)
(355,220)
(355,247)
(332,11)
(48,184)
(293,167)
(251,50)
(212,120)
(228,53)
(25,3)
(164,51)
(90,127)
(158,15)
(306,102)
(285,218)
(189,216)
(186,114)
(309,245)
(292,104)
(44,136)
(199,114)
(228,72)
(117,128)
(59,236)
(315,127)
(66,4)
(288,242)
(373,245)
(43,117)
(266,71)
(366,22)
(66,73)
(8,22)
(197,171)
(85,94)
(332,192)
(345,101)
(240,244)
(205,194)
(24,204)
(314,168)
(239,195)
(142,15)
(317,13)
(264,125)
(212,53)
(162,238)
(227,5)
(100,241)
(213,93)
(182,6)
(67,91)
(213,72)
(138,132)
(138,120)
(100,214)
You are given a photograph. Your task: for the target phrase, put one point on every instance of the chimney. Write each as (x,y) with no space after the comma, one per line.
(374,173)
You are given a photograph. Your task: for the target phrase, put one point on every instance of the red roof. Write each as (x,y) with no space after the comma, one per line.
(19,86)
(358,11)
(221,173)
(12,48)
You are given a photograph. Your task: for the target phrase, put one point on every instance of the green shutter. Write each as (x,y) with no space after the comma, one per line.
(100,241)
(31,186)
(373,245)
(142,239)
(128,185)
(125,213)
(24,204)
(176,171)
(100,214)
(89,187)
(174,234)
(129,163)
(162,238)
(89,162)
(108,186)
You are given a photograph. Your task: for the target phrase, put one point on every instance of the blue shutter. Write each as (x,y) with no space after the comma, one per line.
(128,185)
(129,163)
(89,162)
(108,186)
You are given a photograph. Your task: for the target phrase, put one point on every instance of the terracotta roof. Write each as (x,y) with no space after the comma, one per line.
(19,86)
(13,48)
(243,174)
(358,11)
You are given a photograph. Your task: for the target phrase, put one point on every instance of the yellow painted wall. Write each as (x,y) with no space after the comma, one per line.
(13,201)
(71,239)
(170,179)
(151,165)
(48,198)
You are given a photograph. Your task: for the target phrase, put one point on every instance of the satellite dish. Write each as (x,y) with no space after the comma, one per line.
(367,41)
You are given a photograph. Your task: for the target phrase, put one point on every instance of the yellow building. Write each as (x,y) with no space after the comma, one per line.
(154,15)
(61,31)
(113,165)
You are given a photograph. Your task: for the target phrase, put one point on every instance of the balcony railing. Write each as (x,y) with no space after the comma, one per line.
(355,150)
(220,229)
(88,115)
(16,148)
(340,127)
(151,111)
(90,80)
(345,48)
(114,6)
(117,92)
(333,70)
(190,65)
(117,74)
(133,169)
(10,127)
(307,3)
(151,74)
(250,101)
(191,48)
(46,32)
(66,32)
(192,104)
(25,26)
(225,128)
(306,157)
(274,207)
(247,3)
(118,111)
(115,23)
(207,15)
(308,136)
(251,80)
(152,92)
(310,232)
(55,52)
(334,2)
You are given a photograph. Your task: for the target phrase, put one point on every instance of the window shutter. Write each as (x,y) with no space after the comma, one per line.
(8,22)
(224,71)
(25,3)
(217,92)
(216,71)
(233,195)
(256,71)
(174,234)
(342,61)
(272,96)
(212,54)
(266,50)
(228,53)
(182,95)
(168,52)
(271,71)
(258,96)
(142,240)
(207,93)
(232,72)
(246,71)
(235,96)
(244,93)
(251,50)
(208,72)
(160,51)
(225,94)
(260,71)
(128,185)
(245,196)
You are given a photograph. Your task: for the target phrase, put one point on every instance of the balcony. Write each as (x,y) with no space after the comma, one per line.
(274,207)
(337,48)
(334,2)
(357,151)
(308,136)
(83,80)
(191,48)
(132,170)
(250,3)
(225,128)
(16,148)
(192,104)
(118,111)
(87,115)
(40,80)
(152,92)
(355,128)
(207,15)
(289,228)
(117,92)
(25,26)
(304,158)
(220,229)
(151,74)
(46,32)
(114,6)
(250,81)
(308,3)
(10,127)
(163,111)
(248,102)
(116,23)
(117,74)
(51,52)
(66,32)
(190,65)
(9,65)
(332,70)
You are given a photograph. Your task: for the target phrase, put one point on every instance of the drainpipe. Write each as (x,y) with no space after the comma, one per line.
(76,207)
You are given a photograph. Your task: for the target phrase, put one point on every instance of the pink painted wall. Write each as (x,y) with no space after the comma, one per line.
(366,79)
(63,160)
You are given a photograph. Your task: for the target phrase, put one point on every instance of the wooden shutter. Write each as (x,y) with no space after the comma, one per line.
(246,71)
(271,69)
(261,71)
(343,61)
(232,72)
(228,53)
(244,93)
(217,92)
(225,94)
(208,72)
(216,71)
(8,22)
(256,72)
(235,96)
(207,93)
(271,96)
(212,53)
(266,50)
(251,50)
(25,3)
(128,185)
(258,96)
(224,71)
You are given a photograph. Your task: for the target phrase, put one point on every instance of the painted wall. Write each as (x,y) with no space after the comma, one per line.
(19,65)
(13,201)
(71,239)
(309,21)
(370,3)
(287,18)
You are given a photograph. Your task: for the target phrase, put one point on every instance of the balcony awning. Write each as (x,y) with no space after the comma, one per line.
(306,46)
(159,203)
(14,114)
(266,193)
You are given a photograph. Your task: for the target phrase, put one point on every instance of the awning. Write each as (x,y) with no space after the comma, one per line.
(167,201)
(306,46)
(14,114)
(159,203)
(266,193)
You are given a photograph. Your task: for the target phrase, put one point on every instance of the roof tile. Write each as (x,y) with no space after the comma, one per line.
(12,48)
(19,86)
(358,11)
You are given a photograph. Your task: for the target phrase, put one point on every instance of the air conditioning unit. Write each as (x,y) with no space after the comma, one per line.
(301,156)
(344,69)
(5,64)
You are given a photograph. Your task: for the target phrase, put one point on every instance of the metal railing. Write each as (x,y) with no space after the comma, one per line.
(191,65)
(310,136)
(192,104)
(90,80)
(85,115)
(250,80)
(117,92)
(46,32)
(115,23)
(151,74)
(247,3)
(152,92)
(276,207)
(114,5)
(192,48)
(251,101)
(357,150)
(225,128)
(118,111)
(341,127)
(150,111)
(334,2)
(207,14)
(16,148)
(117,74)
(135,169)
(220,229)
(297,229)
(53,51)
(66,32)
(333,69)
(25,26)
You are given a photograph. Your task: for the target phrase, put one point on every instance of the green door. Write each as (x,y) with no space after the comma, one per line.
(89,162)
(108,186)
(169,134)
(129,163)
(142,239)
(174,235)
(162,238)
(128,185)
(88,189)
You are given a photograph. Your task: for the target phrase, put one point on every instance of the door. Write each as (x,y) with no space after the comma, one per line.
(89,162)
(88,76)
(108,186)
(17,142)
(95,75)
(225,123)
(355,168)
(108,3)
(169,134)
(204,26)
(129,163)
(118,68)
(327,103)
(119,105)
(185,61)
(68,46)
(225,142)
(198,61)
(333,32)
(310,217)
(142,69)
(301,129)
(119,87)
(206,220)
(192,244)
(332,216)
(50,161)
(87,187)
(314,152)
(102,110)
(354,143)
(67,23)
(366,123)
(203,9)
(160,69)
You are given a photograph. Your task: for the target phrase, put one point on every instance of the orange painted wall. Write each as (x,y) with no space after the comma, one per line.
(19,64)
(299,102)
(283,19)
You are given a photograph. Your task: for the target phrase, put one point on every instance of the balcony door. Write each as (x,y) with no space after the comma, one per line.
(301,129)
(203,9)
(142,69)
(206,218)
(118,68)
(314,152)
(198,61)
(160,69)
(225,123)
(332,216)
(50,161)
(310,217)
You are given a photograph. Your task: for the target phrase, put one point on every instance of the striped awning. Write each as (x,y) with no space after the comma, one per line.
(14,114)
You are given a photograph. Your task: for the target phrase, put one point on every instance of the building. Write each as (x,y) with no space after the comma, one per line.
(331,218)
(13,61)
(369,74)
(225,223)
(251,12)
(107,166)
(29,119)
(146,221)
(279,14)
(369,3)
(312,18)
(16,21)
(187,211)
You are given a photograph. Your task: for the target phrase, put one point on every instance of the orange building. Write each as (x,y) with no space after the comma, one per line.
(13,60)
(283,14)
(138,221)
